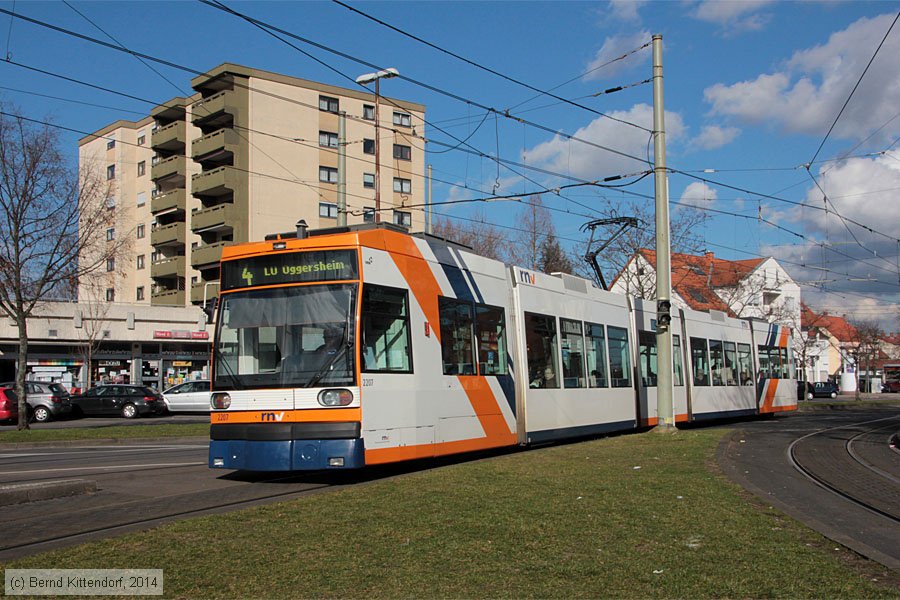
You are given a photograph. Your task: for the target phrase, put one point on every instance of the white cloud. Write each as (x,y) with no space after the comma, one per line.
(614,47)
(626,10)
(807,94)
(733,16)
(699,195)
(589,162)
(713,136)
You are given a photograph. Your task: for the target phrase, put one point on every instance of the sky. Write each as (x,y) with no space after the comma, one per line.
(758,135)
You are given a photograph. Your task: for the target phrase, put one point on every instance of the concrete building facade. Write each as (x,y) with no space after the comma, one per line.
(249,154)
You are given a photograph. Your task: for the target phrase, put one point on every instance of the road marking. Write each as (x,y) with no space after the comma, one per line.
(104,468)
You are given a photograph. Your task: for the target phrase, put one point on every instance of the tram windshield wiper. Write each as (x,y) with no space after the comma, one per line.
(346,344)
(235,382)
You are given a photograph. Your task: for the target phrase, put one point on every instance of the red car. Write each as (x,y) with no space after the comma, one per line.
(9,405)
(891,387)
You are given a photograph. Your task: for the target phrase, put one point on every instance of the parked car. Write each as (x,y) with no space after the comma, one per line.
(890,387)
(823,389)
(129,401)
(190,396)
(9,405)
(45,400)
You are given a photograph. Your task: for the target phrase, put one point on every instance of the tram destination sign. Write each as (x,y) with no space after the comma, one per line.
(290,267)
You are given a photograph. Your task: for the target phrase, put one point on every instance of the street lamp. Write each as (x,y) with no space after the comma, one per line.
(365,80)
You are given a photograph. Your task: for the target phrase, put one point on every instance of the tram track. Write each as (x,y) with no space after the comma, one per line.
(833,459)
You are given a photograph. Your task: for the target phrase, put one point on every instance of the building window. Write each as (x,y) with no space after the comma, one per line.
(328,104)
(403,218)
(328,210)
(540,339)
(110,144)
(140,231)
(141,198)
(385,330)
(402,152)
(142,138)
(140,261)
(402,186)
(328,139)
(368,146)
(110,264)
(368,215)
(328,175)
(142,168)
(110,234)
(111,202)
(402,119)
(369,180)
(368,112)
(110,172)
(139,295)
(110,294)
(457,335)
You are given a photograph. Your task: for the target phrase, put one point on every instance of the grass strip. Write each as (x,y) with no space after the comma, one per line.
(635,516)
(112,432)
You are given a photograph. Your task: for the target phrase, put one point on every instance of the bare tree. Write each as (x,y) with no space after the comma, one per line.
(535,224)
(52,224)
(475,232)
(683,233)
(93,312)
(866,338)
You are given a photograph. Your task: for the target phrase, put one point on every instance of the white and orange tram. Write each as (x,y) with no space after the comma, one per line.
(365,345)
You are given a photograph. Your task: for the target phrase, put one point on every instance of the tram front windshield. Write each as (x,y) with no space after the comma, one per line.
(286,337)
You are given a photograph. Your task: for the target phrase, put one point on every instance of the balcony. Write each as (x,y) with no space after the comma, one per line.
(168,267)
(216,111)
(218,182)
(173,110)
(210,288)
(207,255)
(170,170)
(219,146)
(216,218)
(173,200)
(167,235)
(170,137)
(167,298)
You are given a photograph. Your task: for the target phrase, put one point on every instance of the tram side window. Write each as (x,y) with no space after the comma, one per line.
(647,358)
(457,335)
(785,365)
(385,330)
(769,363)
(540,339)
(700,361)
(730,364)
(745,364)
(491,340)
(677,361)
(572,353)
(619,365)
(596,355)
(717,362)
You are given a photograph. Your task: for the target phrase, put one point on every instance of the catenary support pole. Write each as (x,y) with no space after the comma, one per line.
(664,390)
(342,170)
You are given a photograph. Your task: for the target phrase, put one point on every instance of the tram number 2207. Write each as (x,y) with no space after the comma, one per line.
(368,382)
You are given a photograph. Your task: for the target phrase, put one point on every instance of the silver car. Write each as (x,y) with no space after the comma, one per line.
(45,400)
(190,396)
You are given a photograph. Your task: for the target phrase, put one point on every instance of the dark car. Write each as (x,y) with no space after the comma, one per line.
(45,400)
(9,405)
(823,389)
(129,401)
(891,387)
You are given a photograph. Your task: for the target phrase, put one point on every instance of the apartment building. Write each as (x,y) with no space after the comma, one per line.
(250,153)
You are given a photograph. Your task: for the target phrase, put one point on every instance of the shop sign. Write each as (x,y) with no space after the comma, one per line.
(161,335)
(182,363)
(199,335)
(110,363)
(180,334)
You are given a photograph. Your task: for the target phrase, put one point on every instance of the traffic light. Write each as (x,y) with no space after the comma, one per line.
(663,312)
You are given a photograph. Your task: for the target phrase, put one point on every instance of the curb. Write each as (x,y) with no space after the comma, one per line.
(102,442)
(45,490)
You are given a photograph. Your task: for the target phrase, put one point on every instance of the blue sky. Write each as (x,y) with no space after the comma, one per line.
(751,91)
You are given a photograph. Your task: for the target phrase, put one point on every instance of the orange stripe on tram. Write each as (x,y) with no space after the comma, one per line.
(771,387)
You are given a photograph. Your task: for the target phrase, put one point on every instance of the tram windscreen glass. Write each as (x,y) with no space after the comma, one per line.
(290,267)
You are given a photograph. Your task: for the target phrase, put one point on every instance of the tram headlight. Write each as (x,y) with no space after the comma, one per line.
(220,400)
(335,397)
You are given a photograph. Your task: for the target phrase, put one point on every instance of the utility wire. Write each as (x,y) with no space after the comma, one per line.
(484,68)
(61,99)
(858,81)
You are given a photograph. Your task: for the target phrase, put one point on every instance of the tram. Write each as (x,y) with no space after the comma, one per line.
(363,345)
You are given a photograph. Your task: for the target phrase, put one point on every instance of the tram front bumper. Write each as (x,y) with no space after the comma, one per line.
(286,446)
